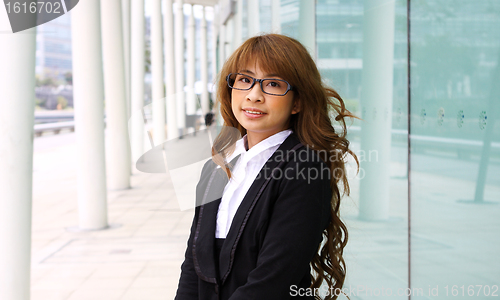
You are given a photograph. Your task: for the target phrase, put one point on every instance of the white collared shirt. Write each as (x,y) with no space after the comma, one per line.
(243,175)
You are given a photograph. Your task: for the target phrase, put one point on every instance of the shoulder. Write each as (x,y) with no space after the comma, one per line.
(294,152)
(298,167)
(209,166)
(304,180)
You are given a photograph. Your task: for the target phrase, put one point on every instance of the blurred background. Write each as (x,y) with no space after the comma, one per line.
(85,97)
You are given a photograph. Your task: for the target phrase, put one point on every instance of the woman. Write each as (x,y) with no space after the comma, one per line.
(277,190)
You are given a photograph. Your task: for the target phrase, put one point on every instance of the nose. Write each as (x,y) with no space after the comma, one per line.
(255,94)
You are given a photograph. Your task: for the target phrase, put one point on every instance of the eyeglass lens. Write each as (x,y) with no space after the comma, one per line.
(269,86)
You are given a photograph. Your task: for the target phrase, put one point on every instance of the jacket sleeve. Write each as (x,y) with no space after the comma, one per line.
(300,214)
(188,282)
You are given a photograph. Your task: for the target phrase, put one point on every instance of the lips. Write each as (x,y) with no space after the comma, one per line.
(252,110)
(253,113)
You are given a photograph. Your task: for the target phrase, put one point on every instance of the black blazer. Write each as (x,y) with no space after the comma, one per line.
(273,237)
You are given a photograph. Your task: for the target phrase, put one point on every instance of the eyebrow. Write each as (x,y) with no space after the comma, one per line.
(252,73)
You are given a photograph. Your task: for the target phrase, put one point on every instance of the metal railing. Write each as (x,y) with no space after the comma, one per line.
(54,127)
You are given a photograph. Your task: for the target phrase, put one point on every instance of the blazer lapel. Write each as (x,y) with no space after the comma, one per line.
(291,144)
(204,239)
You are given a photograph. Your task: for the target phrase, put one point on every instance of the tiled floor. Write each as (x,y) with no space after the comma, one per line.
(138,257)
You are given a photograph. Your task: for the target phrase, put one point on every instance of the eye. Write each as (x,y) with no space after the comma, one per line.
(274,84)
(245,79)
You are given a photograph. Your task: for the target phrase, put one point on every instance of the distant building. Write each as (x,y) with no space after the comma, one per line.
(53,47)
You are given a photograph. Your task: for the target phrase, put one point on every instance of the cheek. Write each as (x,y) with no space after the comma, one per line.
(283,107)
(231,100)
(234,105)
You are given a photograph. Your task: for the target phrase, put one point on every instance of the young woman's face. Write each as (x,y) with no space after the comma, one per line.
(274,111)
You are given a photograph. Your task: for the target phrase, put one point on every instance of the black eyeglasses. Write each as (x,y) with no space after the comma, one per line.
(270,86)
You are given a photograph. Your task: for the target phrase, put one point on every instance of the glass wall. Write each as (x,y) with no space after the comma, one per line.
(362,53)
(424,210)
(455,148)
(428,228)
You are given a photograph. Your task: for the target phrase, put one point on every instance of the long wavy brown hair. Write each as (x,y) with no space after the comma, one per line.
(320,106)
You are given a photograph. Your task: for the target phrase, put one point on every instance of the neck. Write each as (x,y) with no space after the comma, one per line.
(253,138)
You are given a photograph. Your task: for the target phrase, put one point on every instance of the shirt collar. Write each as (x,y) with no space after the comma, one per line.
(273,140)
(239,148)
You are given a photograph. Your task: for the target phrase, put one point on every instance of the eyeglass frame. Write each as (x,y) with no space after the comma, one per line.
(254,80)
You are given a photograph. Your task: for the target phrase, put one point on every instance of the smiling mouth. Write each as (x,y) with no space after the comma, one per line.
(253,112)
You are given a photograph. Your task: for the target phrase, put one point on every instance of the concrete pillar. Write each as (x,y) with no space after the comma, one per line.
(376,99)
(205,102)
(17,86)
(168,22)
(126,48)
(276,16)
(229,33)
(238,23)
(191,64)
(493,116)
(307,26)
(137,66)
(218,54)
(117,139)
(215,62)
(222,45)
(254,17)
(179,66)
(89,115)
(157,87)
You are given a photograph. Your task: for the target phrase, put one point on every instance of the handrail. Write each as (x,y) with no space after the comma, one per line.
(55,127)
(436,139)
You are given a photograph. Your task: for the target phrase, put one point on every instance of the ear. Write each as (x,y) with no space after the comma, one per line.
(296,106)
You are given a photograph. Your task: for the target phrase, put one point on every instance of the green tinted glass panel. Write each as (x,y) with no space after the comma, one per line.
(455,148)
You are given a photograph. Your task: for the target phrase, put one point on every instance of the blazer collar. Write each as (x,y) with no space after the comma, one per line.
(204,241)
(213,184)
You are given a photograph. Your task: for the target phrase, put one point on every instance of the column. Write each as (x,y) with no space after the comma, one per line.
(230,41)
(179,66)
(205,101)
(222,45)
(17,83)
(493,113)
(307,26)
(254,17)
(117,139)
(126,48)
(168,23)
(276,16)
(238,23)
(376,100)
(89,115)
(218,37)
(191,59)
(157,88)
(215,62)
(137,65)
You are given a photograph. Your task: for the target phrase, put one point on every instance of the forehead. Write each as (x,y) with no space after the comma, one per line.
(256,70)
(256,65)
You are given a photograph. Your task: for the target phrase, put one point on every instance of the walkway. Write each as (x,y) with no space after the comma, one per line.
(139,257)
